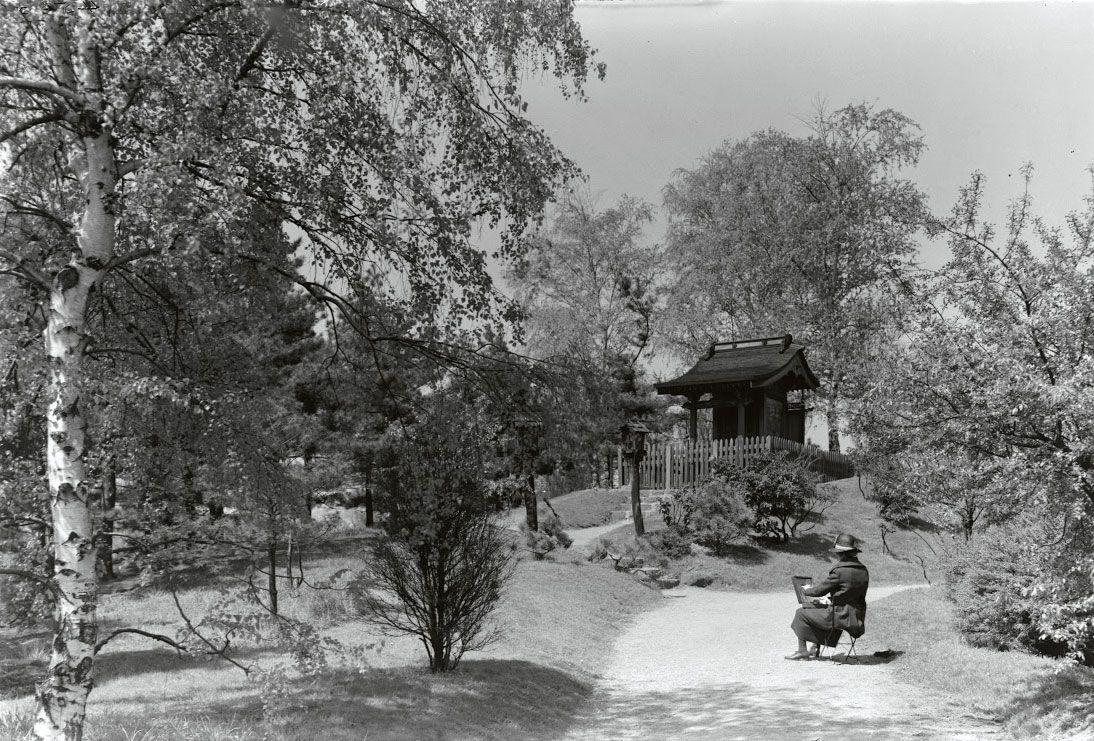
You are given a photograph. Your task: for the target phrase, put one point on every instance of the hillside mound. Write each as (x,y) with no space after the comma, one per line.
(900,556)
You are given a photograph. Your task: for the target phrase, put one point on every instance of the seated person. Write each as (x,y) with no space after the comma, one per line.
(846,587)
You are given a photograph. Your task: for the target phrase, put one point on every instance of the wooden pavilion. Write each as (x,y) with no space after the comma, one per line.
(745,384)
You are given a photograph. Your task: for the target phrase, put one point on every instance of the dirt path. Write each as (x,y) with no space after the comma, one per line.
(709,665)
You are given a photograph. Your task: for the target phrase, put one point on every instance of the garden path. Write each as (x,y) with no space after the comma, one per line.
(709,665)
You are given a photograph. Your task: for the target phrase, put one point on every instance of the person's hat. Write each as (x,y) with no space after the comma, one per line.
(845,542)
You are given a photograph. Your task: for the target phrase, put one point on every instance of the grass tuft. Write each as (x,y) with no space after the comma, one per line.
(17,721)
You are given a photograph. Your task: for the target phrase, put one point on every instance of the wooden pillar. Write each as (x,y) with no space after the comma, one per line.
(693,424)
(740,420)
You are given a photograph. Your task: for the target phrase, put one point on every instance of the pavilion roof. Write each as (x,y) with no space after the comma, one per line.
(757,363)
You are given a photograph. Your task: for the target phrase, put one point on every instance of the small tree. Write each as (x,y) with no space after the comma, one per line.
(439,572)
(780,490)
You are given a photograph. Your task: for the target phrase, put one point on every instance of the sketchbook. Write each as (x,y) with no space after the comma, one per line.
(800,583)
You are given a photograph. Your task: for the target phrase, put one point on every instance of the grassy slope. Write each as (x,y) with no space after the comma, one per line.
(559,620)
(588,507)
(761,566)
(1026,692)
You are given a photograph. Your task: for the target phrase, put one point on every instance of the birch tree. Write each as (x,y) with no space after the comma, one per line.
(590,290)
(380,132)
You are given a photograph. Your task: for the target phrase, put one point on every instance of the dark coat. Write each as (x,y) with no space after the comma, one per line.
(846,586)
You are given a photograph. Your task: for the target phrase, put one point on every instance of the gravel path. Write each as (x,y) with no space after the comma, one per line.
(709,665)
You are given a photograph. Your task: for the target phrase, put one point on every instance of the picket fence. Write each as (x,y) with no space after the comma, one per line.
(673,464)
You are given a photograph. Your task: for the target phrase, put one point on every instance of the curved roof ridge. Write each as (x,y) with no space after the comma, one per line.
(757,362)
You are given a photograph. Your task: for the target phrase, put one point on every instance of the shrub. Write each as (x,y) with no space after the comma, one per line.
(1026,584)
(986,579)
(549,537)
(439,572)
(599,550)
(713,515)
(671,543)
(779,489)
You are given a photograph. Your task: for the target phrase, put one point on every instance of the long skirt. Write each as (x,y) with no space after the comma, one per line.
(816,625)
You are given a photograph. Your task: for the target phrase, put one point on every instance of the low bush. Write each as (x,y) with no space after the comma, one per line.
(779,489)
(1010,592)
(712,514)
(986,580)
(549,537)
(671,543)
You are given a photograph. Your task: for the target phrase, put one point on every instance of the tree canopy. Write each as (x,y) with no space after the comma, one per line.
(809,235)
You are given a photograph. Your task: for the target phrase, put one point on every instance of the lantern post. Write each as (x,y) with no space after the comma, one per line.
(528,432)
(634,446)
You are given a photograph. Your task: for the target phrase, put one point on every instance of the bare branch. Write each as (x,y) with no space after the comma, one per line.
(123,259)
(30,124)
(154,636)
(40,86)
(31,273)
(221,652)
(31,576)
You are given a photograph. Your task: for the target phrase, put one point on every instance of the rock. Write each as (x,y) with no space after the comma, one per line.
(668,582)
(701,580)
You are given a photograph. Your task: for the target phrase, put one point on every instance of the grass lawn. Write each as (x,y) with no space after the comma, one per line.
(766,566)
(1026,692)
(588,507)
(558,620)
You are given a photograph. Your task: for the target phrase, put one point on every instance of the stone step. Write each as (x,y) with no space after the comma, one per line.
(647,513)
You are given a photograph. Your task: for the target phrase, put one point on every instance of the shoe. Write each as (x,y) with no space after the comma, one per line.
(799,656)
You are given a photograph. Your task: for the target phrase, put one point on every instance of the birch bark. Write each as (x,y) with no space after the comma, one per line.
(62,696)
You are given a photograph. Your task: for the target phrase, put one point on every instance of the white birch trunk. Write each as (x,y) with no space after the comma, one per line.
(62,696)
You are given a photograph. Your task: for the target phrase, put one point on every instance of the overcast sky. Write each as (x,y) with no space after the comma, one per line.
(991,85)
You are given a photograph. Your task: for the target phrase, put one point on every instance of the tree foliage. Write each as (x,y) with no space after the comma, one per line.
(986,400)
(810,235)
(590,289)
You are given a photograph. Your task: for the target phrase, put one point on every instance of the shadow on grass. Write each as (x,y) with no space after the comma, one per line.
(915,522)
(485,699)
(112,665)
(737,711)
(17,677)
(1055,704)
(806,544)
(745,555)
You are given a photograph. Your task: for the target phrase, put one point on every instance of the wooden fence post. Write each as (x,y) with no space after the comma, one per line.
(668,465)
